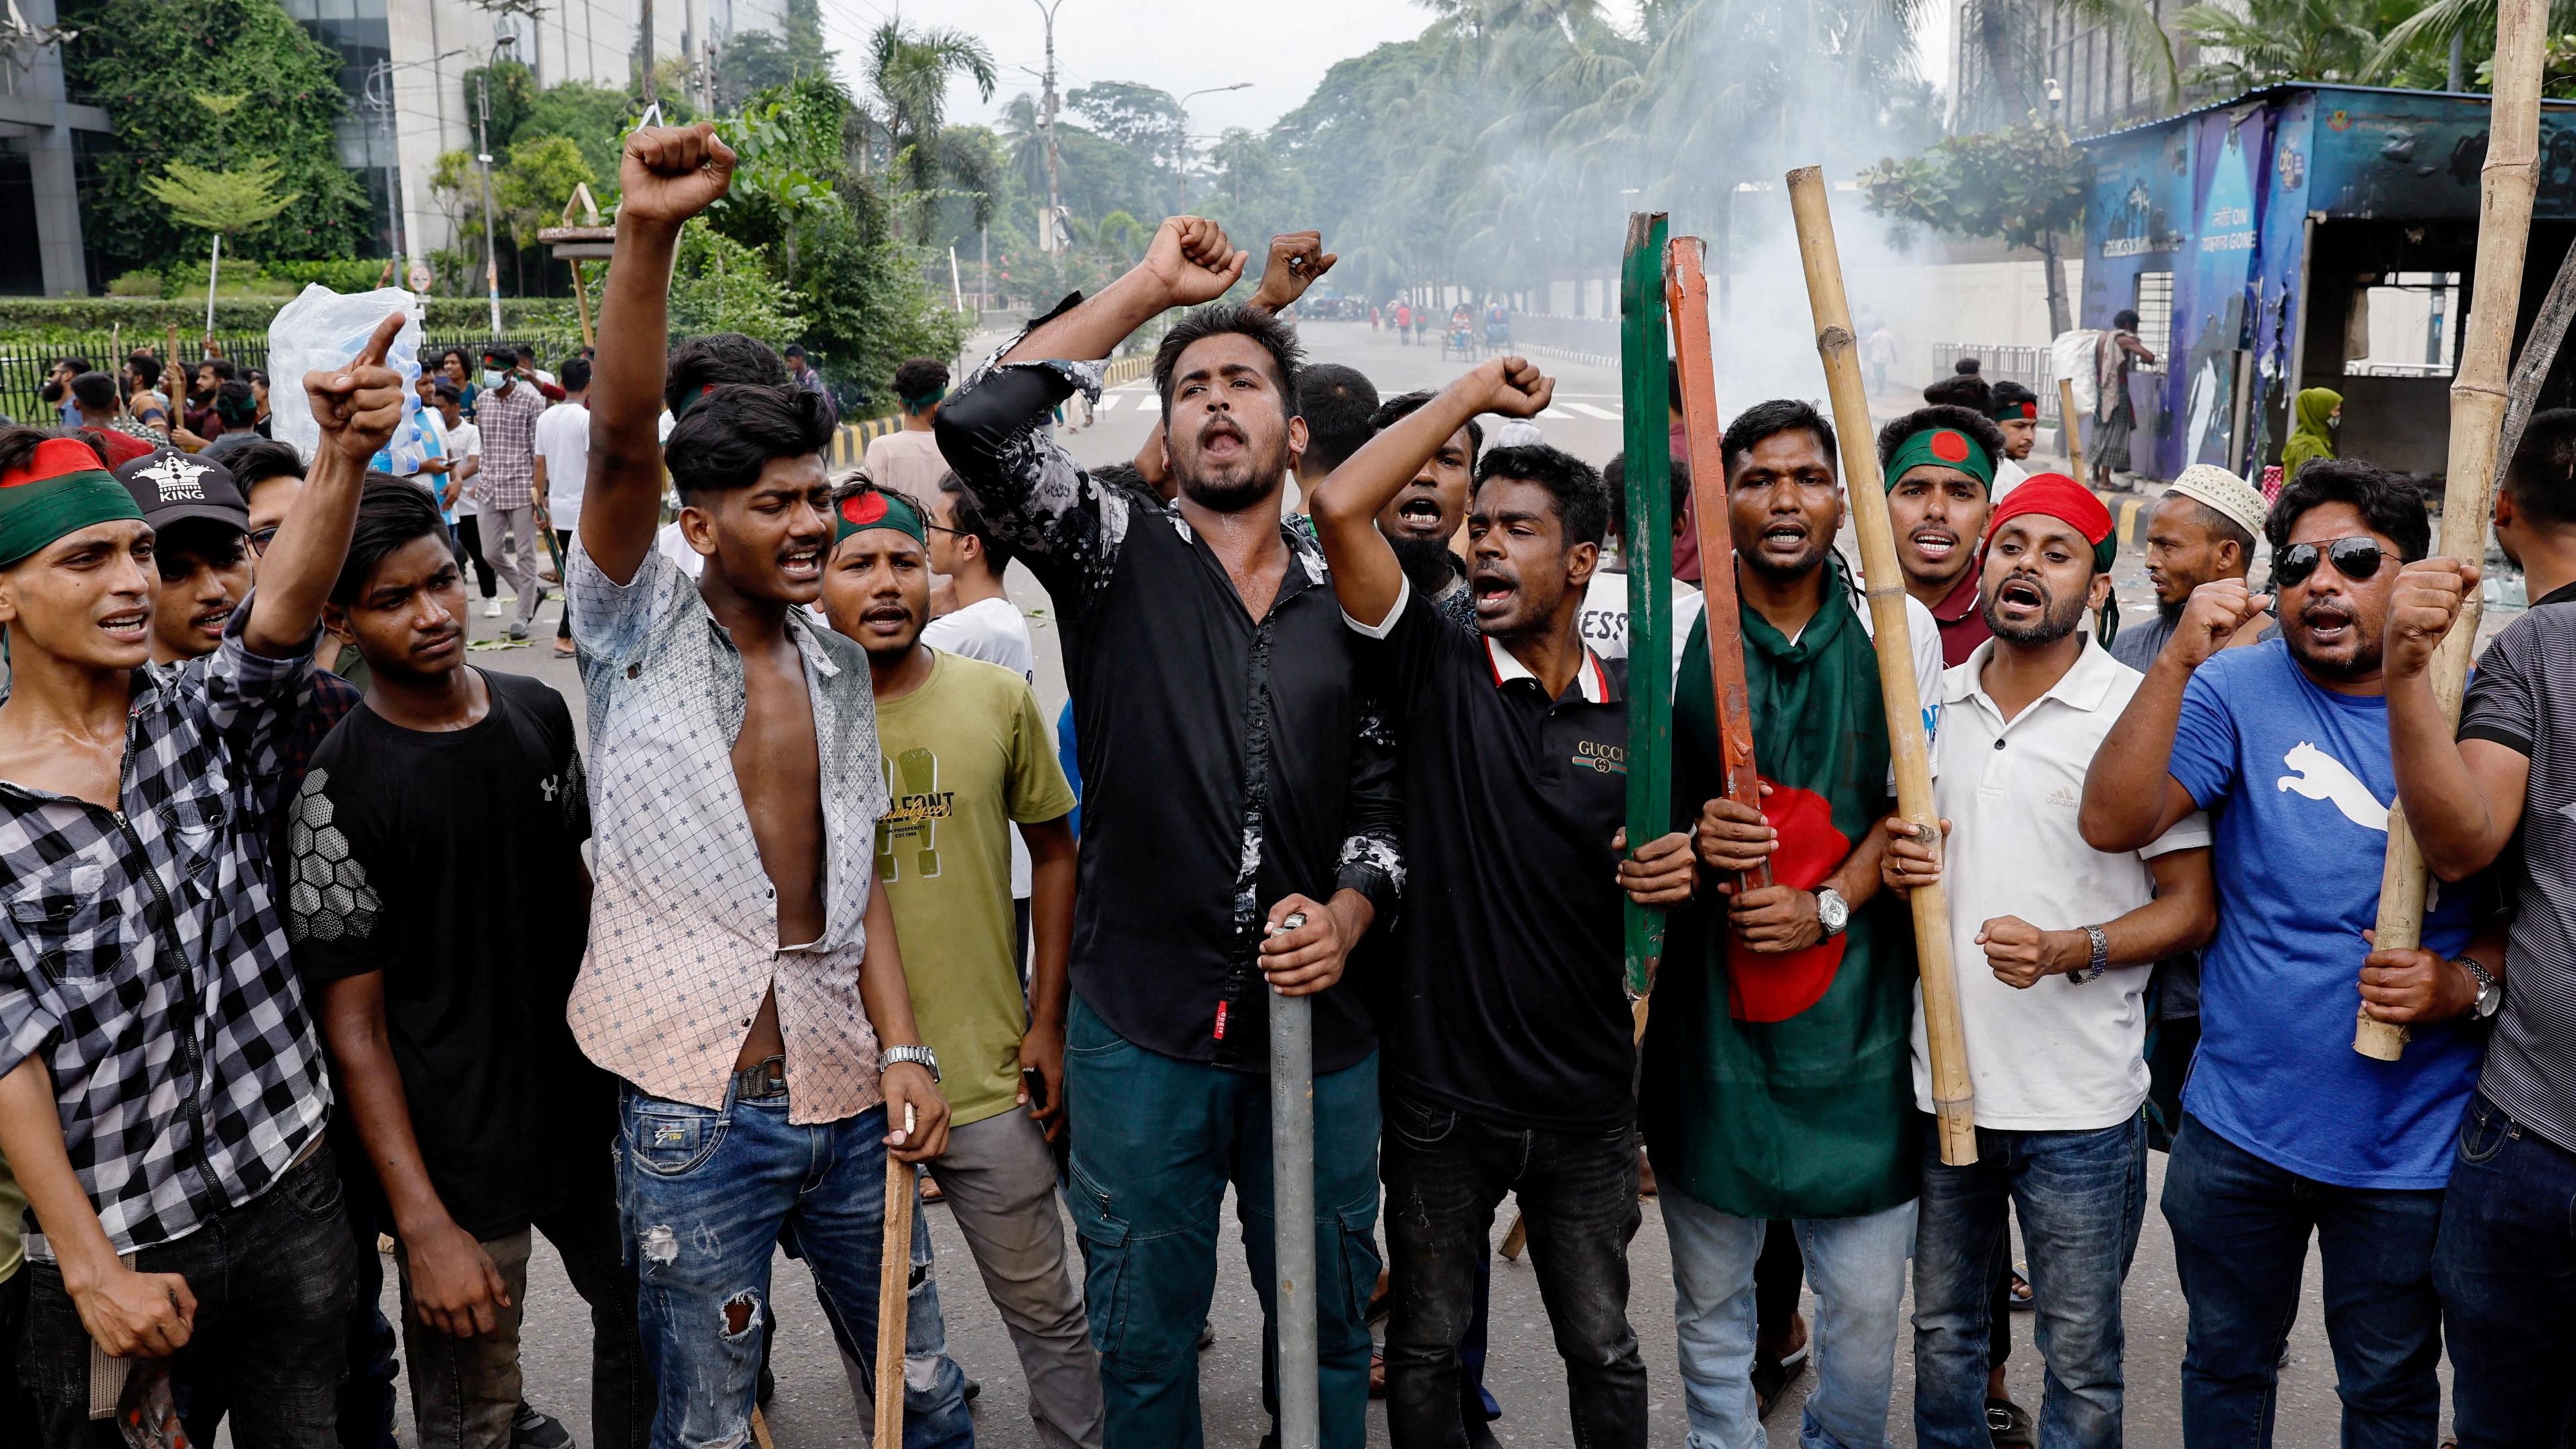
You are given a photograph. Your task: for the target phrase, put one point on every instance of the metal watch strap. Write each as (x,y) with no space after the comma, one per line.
(2097,962)
(1838,927)
(2478,1009)
(920,1056)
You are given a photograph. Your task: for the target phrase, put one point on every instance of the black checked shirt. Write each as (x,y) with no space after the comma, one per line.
(143,959)
(1226,761)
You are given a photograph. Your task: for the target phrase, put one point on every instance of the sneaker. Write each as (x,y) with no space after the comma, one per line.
(532,1430)
(492,607)
(518,631)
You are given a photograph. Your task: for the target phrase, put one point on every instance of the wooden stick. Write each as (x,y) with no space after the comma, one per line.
(894,1295)
(1953,1096)
(2074,435)
(2478,400)
(2531,368)
(1686,296)
(1650,566)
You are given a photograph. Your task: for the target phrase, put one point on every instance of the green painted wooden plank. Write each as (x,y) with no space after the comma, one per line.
(1645,396)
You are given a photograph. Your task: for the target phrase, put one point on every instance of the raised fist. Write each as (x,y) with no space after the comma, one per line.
(671,173)
(1192,261)
(1511,386)
(2429,596)
(1297,258)
(2211,617)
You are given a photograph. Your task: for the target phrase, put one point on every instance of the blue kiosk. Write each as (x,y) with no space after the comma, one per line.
(2254,235)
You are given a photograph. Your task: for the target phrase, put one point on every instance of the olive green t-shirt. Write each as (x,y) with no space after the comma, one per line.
(965,755)
(13,1210)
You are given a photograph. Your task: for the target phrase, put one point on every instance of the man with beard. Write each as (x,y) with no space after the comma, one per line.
(1427,512)
(736,791)
(2505,1263)
(2058,1066)
(1234,775)
(1776,1082)
(1940,467)
(1511,1029)
(2201,531)
(968,767)
(2288,1131)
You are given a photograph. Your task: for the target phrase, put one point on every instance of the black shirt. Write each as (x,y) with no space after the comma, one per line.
(1226,762)
(451,862)
(1510,1000)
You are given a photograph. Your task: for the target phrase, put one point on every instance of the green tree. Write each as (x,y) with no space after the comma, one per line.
(753,61)
(908,71)
(2024,184)
(147,61)
(222,203)
(720,285)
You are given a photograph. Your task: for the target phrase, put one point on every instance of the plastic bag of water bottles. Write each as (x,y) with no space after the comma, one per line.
(323,329)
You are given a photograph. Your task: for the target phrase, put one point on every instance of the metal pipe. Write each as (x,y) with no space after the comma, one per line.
(1292,1205)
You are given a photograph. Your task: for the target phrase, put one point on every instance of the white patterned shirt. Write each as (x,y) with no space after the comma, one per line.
(683,920)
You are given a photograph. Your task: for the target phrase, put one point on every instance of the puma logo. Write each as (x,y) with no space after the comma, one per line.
(2321,776)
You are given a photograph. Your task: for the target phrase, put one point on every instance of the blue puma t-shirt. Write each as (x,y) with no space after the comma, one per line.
(2300,783)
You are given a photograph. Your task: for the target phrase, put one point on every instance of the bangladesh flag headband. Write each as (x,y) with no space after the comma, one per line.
(877,509)
(1947,447)
(62,488)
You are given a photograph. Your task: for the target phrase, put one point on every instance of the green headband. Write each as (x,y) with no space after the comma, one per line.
(876,508)
(34,514)
(1942,447)
(926,399)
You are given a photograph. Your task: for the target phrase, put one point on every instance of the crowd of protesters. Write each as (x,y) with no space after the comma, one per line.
(315,931)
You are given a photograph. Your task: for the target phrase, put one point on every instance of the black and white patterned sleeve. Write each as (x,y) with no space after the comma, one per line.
(993,433)
(332,909)
(1372,854)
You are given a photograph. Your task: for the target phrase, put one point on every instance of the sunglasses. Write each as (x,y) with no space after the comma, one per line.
(2354,558)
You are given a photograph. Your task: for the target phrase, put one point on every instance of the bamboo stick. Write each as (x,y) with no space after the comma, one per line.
(1953,1095)
(894,1295)
(2074,433)
(2478,402)
(1686,296)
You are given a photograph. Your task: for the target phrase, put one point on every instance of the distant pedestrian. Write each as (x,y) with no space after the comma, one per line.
(562,449)
(2115,416)
(505,484)
(907,460)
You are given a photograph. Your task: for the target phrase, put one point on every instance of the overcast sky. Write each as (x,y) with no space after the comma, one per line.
(1183,45)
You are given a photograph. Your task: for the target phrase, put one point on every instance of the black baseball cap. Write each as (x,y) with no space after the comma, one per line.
(169,485)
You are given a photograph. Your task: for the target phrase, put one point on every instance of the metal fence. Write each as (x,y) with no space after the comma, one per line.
(2029,366)
(22,372)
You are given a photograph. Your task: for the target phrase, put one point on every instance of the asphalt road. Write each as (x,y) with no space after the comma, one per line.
(814,1408)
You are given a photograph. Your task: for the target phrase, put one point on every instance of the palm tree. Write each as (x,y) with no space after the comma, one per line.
(908,71)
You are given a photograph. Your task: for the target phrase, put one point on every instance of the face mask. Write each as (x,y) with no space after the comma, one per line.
(491,378)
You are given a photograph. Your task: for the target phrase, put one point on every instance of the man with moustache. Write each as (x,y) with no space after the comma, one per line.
(1511,1029)
(437,903)
(1427,512)
(1776,1082)
(2058,1065)
(1940,468)
(2201,531)
(735,790)
(968,766)
(1234,774)
(2287,1130)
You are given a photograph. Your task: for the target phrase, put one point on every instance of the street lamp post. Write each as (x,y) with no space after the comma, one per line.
(379,96)
(1055,196)
(483,159)
(1181,162)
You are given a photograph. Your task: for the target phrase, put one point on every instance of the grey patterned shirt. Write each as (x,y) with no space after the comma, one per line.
(684,922)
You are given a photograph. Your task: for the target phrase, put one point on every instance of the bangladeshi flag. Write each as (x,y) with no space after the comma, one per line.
(1780,1085)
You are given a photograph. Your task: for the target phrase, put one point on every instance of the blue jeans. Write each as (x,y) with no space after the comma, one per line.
(1155,1141)
(2505,1265)
(1858,1267)
(704,1196)
(2240,1228)
(2081,1197)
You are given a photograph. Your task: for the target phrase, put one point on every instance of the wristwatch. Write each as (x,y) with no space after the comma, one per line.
(2097,962)
(1832,911)
(2490,990)
(920,1056)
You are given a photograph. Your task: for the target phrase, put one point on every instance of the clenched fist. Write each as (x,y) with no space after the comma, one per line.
(671,173)
(2429,596)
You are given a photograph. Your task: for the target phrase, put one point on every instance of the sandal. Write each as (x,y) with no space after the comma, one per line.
(2010,1423)
(2020,1294)
(1771,1380)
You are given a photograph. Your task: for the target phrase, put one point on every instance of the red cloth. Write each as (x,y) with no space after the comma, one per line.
(2057,496)
(1962,623)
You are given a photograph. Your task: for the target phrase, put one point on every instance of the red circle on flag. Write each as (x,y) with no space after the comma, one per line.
(1949,447)
(862,509)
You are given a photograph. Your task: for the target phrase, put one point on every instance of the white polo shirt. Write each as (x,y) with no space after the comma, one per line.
(2057,1057)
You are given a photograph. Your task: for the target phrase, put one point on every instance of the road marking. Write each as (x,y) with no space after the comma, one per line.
(1556,415)
(1149,403)
(1108,400)
(1588,410)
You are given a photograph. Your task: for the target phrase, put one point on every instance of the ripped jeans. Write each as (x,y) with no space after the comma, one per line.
(703,1197)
